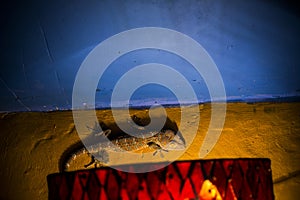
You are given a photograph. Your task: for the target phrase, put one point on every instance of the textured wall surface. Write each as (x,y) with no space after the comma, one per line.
(32,143)
(255,45)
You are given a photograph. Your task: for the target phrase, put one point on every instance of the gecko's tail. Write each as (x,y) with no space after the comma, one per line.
(68,155)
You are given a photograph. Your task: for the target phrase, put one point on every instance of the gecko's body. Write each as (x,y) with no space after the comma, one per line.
(163,140)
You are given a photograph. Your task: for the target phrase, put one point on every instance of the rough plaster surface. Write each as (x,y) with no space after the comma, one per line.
(255,45)
(31,144)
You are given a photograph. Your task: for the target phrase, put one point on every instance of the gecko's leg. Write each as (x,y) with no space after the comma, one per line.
(157,148)
(90,163)
(133,123)
(105,133)
(97,131)
(102,157)
(160,152)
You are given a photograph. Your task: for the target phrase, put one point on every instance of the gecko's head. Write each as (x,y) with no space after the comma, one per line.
(173,141)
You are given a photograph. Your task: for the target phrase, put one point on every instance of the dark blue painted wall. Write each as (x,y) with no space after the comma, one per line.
(255,45)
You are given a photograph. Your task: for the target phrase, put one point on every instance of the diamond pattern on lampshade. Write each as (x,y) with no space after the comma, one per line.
(234,178)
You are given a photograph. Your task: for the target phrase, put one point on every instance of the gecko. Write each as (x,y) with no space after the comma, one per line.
(164,140)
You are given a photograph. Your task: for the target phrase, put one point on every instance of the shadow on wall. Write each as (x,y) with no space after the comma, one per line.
(113,132)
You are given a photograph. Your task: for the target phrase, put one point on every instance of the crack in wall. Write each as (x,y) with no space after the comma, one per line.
(25,75)
(46,42)
(17,98)
(286,177)
(62,89)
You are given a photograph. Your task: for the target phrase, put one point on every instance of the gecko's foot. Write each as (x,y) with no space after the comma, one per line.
(90,163)
(101,158)
(157,148)
(97,131)
(105,133)
(136,123)
(96,163)
(160,152)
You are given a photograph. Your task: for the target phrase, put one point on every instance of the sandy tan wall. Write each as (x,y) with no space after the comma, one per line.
(31,144)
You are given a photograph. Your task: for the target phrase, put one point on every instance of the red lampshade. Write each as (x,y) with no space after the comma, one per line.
(233,178)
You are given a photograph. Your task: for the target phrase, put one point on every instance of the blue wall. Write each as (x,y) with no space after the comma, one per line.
(255,45)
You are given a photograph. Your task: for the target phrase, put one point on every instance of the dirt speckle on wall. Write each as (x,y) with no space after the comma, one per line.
(31,144)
